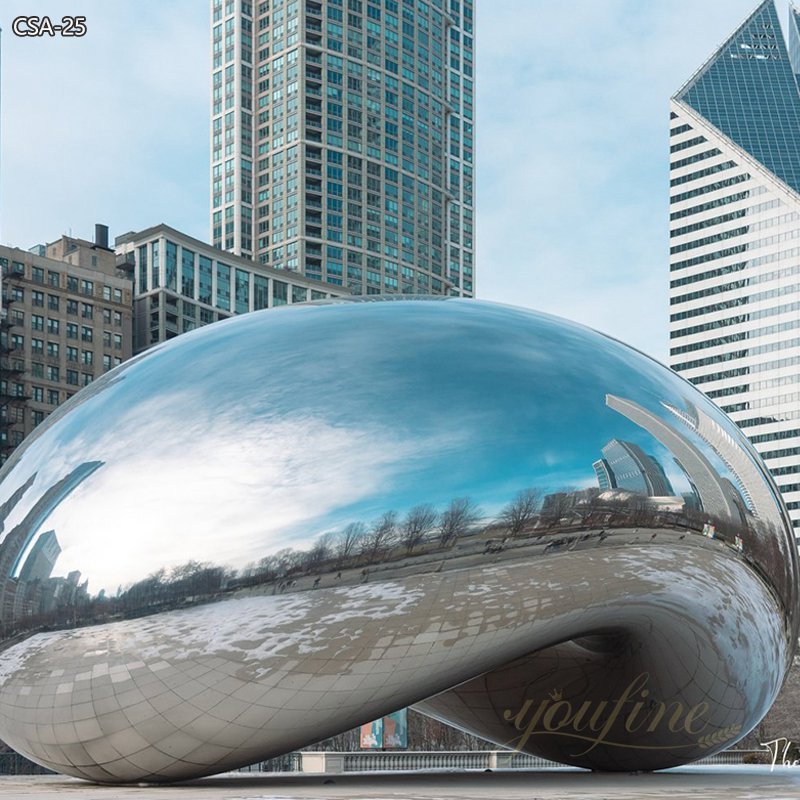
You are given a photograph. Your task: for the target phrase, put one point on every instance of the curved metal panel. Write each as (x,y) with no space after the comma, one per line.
(283,525)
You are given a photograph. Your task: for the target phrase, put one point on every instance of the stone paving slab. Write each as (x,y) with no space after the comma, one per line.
(699,783)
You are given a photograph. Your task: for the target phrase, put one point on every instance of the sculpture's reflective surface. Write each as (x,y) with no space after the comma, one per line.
(287,524)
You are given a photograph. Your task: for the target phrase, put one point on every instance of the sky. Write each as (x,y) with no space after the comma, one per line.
(572,122)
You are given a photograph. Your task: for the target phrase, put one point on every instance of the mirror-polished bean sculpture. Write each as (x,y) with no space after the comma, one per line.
(283,525)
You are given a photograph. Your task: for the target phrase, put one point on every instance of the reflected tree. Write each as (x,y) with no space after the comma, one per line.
(457,519)
(419,521)
(348,542)
(381,536)
(521,511)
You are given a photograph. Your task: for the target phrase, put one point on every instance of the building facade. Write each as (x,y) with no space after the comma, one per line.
(66,319)
(342,140)
(181,283)
(735,237)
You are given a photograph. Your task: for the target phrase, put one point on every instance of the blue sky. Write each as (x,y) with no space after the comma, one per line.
(572,122)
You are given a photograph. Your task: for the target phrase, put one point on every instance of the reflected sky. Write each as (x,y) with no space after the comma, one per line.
(263,431)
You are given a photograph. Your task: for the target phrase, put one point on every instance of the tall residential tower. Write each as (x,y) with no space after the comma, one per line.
(342,140)
(735,237)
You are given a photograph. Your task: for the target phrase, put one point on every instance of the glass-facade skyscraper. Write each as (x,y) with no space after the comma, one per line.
(342,141)
(735,237)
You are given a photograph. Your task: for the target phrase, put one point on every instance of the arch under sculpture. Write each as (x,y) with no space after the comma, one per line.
(283,525)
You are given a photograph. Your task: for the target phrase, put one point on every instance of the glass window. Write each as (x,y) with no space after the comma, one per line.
(154,267)
(172,266)
(260,292)
(242,291)
(223,287)
(280,293)
(299,294)
(143,268)
(205,280)
(187,272)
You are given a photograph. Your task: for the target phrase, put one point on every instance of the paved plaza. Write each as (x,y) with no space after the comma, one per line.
(699,783)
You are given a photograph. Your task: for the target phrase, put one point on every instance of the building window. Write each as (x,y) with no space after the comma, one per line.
(72,354)
(52,326)
(187,272)
(87,310)
(205,280)
(86,333)
(72,377)
(53,374)
(52,397)
(52,349)
(242,291)
(87,357)
(223,287)
(87,287)
(280,293)
(37,346)
(52,302)
(143,268)
(37,392)
(37,322)
(37,299)
(54,278)
(37,274)
(72,307)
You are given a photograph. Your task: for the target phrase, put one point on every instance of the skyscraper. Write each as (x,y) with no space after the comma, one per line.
(735,237)
(342,140)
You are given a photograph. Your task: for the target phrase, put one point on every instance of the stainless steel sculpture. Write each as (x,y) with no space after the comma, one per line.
(286,524)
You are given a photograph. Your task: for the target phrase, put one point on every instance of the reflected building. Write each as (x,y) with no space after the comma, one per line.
(626,466)
(735,224)
(715,493)
(41,558)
